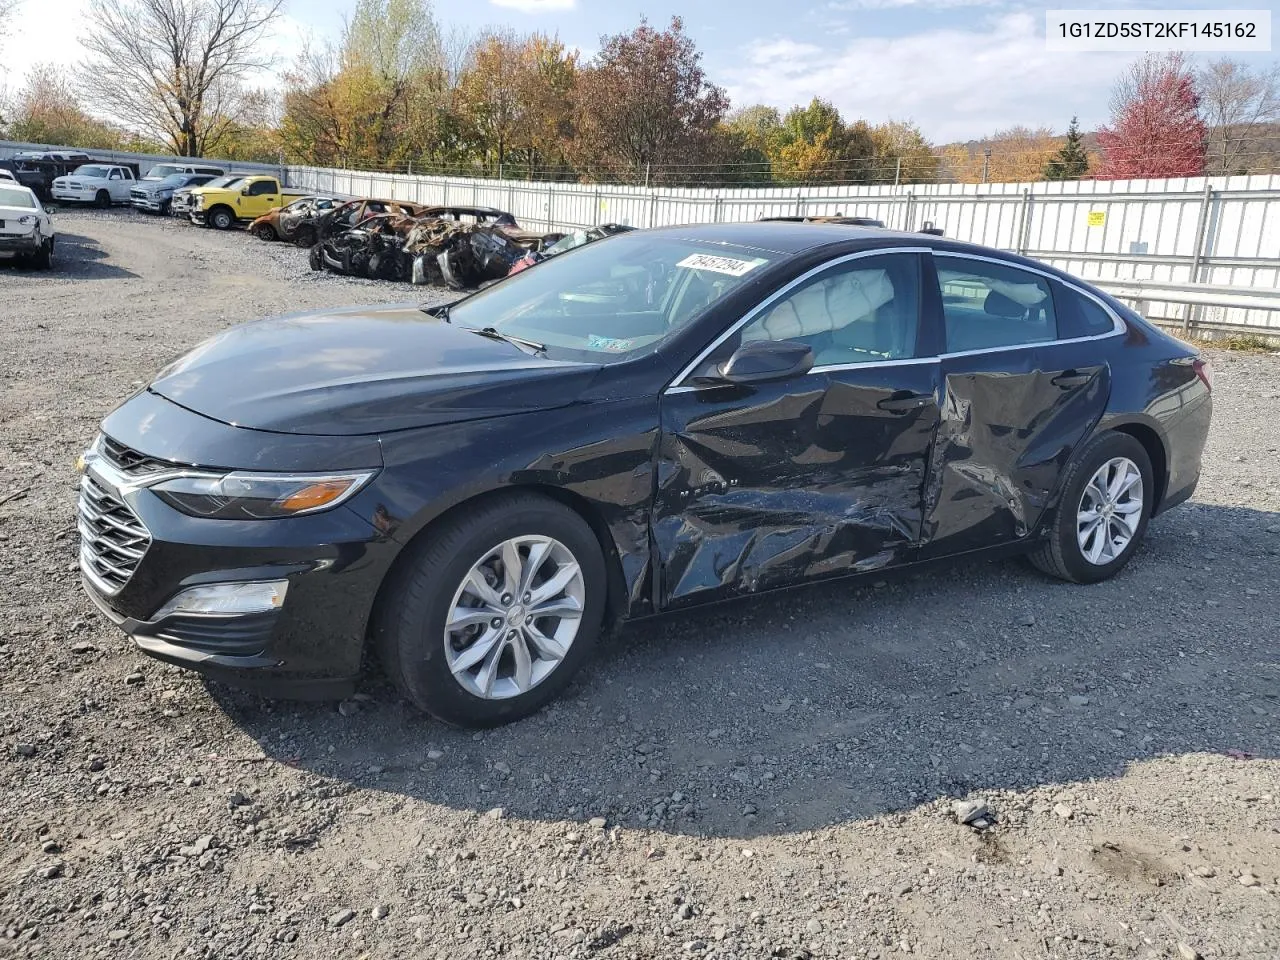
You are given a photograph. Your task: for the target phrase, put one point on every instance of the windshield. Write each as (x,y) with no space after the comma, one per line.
(612,301)
(222,182)
(176,180)
(89,170)
(162,170)
(16,198)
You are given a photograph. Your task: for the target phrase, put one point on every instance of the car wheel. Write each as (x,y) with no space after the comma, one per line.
(44,259)
(1108,493)
(164,207)
(263,231)
(221,219)
(102,200)
(490,617)
(316,258)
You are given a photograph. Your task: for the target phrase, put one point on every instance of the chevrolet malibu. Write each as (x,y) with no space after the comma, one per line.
(667,418)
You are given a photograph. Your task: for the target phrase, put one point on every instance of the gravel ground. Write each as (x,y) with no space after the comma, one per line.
(773,779)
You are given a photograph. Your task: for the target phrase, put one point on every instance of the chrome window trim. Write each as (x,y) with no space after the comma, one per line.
(1118,324)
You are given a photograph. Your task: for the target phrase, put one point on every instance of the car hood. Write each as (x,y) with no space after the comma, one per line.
(364,370)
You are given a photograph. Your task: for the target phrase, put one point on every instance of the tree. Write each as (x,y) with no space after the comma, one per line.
(46,110)
(748,138)
(902,154)
(1015,155)
(1156,129)
(1071,162)
(1238,104)
(175,68)
(815,146)
(379,98)
(644,105)
(490,93)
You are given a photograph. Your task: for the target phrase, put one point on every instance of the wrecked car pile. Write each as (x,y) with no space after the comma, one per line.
(458,247)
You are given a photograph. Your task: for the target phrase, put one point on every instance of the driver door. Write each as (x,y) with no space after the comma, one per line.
(812,476)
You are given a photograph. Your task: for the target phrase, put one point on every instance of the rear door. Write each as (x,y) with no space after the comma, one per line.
(816,476)
(1023,384)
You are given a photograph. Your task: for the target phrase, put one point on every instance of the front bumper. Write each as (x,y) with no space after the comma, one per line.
(74,196)
(150,204)
(310,647)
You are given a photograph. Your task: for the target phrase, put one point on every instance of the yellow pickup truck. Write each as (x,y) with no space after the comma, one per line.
(242,201)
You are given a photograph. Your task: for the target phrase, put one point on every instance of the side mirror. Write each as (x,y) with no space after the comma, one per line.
(244,192)
(764,361)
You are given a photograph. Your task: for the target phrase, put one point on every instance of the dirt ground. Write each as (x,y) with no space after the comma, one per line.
(773,779)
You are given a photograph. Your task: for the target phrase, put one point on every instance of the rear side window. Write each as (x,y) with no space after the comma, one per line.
(1078,315)
(988,305)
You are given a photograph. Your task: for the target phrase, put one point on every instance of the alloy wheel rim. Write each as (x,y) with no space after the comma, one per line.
(1110,511)
(514,617)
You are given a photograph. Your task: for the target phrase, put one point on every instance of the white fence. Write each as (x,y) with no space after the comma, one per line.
(1220,231)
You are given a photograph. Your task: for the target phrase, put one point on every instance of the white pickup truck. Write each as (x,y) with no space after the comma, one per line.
(98,183)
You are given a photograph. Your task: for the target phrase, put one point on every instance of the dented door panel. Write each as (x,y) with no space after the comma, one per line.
(791,482)
(1010,422)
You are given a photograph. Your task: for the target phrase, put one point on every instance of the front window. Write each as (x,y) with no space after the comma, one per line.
(262,188)
(613,300)
(22,199)
(91,170)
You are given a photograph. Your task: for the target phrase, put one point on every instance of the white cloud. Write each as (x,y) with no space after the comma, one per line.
(535,6)
(956,83)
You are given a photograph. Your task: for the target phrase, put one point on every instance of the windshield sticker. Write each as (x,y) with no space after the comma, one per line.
(609,343)
(705,261)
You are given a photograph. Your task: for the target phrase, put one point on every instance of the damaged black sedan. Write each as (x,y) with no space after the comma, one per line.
(475,492)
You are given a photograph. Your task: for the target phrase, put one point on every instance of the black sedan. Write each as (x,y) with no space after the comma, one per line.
(663,419)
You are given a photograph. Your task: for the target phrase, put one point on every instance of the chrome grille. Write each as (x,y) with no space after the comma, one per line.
(112,538)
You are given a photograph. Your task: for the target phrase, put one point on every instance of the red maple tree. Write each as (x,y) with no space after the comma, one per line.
(1156,130)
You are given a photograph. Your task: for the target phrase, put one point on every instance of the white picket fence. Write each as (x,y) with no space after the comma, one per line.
(1217,231)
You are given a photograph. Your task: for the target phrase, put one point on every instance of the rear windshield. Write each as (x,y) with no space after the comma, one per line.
(16,198)
(90,170)
(613,300)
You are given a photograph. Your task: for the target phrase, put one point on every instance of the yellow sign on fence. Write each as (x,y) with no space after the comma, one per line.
(1097,218)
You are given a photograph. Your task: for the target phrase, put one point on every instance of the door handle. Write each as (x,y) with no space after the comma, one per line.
(1071,379)
(905,402)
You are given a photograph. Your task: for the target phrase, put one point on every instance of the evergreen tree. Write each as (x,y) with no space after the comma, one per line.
(1071,162)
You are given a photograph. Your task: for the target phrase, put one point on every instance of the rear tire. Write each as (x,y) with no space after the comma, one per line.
(533,657)
(1093,534)
(44,259)
(102,200)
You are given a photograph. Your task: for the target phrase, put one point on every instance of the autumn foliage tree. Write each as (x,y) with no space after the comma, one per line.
(643,106)
(46,109)
(1156,129)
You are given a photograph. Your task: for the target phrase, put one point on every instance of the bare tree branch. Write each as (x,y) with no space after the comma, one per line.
(1237,103)
(175,69)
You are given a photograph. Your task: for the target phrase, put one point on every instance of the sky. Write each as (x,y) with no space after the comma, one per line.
(960,69)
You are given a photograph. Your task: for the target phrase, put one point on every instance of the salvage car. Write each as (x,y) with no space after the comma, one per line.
(155,196)
(282,223)
(344,216)
(39,170)
(571,241)
(666,419)
(26,229)
(101,184)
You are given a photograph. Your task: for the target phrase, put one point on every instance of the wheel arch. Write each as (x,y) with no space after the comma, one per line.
(615,602)
(208,214)
(1154,444)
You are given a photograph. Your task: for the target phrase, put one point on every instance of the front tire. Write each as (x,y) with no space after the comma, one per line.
(1108,494)
(489,617)
(264,231)
(43,259)
(102,200)
(221,219)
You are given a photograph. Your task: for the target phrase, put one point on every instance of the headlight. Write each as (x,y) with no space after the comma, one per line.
(259,496)
(198,202)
